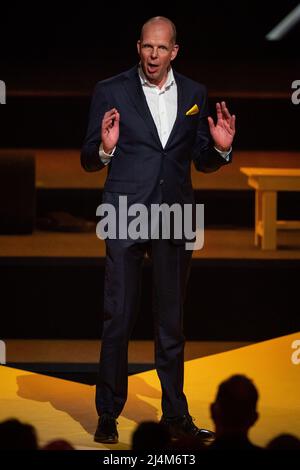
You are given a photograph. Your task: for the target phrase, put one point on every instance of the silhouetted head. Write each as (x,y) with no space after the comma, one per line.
(150,435)
(15,435)
(58,444)
(284,442)
(234,409)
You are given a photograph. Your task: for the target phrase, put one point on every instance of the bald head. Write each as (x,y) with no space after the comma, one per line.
(157,49)
(160,21)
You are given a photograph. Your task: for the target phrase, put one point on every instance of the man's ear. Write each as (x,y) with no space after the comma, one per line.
(174,51)
(138,45)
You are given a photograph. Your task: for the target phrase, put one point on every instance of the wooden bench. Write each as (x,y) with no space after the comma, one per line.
(266,182)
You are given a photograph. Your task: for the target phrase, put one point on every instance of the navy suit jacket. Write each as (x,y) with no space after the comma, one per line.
(141,167)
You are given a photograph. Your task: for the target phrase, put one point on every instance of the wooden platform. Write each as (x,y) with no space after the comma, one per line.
(60,169)
(218,244)
(87,351)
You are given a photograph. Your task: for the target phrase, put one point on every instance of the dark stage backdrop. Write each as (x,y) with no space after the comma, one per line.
(224,43)
(52,55)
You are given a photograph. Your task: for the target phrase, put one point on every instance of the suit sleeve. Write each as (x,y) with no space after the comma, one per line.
(204,155)
(90,159)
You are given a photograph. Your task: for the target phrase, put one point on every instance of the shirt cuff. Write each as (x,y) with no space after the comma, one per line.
(224,155)
(105,157)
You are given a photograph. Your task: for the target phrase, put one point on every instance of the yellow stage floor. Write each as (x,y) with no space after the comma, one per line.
(63,409)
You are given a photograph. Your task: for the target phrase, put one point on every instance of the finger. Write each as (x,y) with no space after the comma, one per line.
(107,123)
(225,111)
(109,118)
(219,111)
(110,114)
(211,123)
(232,122)
(111,111)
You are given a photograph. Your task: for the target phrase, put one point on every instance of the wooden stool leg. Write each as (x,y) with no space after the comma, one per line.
(269,216)
(258,215)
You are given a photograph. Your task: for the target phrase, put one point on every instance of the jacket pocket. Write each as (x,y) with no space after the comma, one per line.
(116,186)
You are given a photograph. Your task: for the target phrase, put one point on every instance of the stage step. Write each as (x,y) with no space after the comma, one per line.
(52,287)
(60,169)
(78,359)
(233,245)
(87,351)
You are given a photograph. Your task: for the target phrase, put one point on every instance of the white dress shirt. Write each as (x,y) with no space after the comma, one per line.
(162,103)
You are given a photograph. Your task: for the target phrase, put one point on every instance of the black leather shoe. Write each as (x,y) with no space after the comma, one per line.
(106,431)
(183,426)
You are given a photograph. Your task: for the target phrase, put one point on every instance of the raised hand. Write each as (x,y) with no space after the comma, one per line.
(110,130)
(223,132)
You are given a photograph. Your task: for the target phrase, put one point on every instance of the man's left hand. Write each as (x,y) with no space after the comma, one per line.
(223,132)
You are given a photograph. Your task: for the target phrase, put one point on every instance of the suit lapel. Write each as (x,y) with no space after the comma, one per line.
(135,92)
(180,109)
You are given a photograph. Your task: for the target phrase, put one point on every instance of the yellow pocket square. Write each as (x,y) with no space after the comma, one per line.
(194,110)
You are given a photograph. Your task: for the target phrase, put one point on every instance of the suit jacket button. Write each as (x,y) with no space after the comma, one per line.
(161,181)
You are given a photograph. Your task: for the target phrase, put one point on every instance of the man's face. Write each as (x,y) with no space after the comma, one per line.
(156,50)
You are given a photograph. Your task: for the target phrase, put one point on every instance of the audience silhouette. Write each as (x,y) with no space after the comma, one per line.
(284,442)
(58,444)
(15,435)
(234,413)
(150,436)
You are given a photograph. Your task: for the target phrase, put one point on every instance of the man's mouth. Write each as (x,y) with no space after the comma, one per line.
(152,67)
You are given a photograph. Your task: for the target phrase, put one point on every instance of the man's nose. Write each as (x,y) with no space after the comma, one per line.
(154,52)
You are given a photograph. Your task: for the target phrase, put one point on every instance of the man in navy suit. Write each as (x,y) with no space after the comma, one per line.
(148,124)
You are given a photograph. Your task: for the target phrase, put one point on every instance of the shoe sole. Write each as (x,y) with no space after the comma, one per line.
(106,441)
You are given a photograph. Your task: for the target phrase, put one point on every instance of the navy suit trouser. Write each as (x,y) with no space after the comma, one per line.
(123,271)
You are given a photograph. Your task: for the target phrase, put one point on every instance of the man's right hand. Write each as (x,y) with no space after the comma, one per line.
(110,130)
